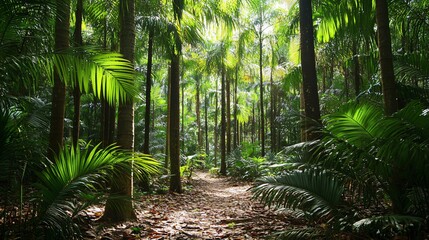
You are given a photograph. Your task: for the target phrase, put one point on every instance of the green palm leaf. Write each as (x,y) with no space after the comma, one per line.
(65,184)
(107,75)
(316,192)
(358,125)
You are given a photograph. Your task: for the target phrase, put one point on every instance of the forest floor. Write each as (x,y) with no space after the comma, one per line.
(214,208)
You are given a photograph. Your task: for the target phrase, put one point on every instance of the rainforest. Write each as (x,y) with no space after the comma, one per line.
(214,119)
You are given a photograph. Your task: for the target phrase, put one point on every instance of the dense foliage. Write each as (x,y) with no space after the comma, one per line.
(217,85)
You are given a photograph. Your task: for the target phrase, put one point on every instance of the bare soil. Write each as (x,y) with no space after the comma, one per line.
(215,208)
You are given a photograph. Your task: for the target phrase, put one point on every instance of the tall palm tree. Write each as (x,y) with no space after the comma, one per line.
(78,42)
(62,25)
(175,51)
(122,209)
(386,58)
(308,63)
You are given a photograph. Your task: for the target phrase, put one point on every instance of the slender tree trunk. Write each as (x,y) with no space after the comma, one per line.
(167,138)
(236,127)
(182,108)
(56,131)
(228,114)
(175,183)
(386,58)
(108,111)
(397,188)
(311,96)
(272,113)
(120,209)
(206,122)
(223,124)
(76,91)
(216,125)
(148,90)
(197,110)
(356,70)
(261,97)
(253,127)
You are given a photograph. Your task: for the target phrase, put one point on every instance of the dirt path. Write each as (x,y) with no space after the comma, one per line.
(215,208)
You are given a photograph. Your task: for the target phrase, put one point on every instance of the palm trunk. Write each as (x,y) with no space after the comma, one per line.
(175,184)
(356,71)
(311,96)
(386,58)
(216,125)
(228,114)
(167,137)
(120,209)
(197,112)
(223,124)
(236,127)
(261,97)
(56,131)
(206,122)
(272,113)
(148,90)
(76,91)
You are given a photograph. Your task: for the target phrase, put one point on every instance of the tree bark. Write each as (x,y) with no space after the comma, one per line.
(223,124)
(235,109)
(197,112)
(261,96)
(120,209)
(175,183)
(76,91)
(386,58)
(56,131)
(228,114)
(148,90)
(216,126)
(308,63)
(356,71)
(206,122)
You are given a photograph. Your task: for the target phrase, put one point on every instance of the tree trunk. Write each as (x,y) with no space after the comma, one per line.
(175,184)
(197,110)
(272,113)
(261,97)
(308,63)
(356,71)
(108,111)
(182,128)
(235,109)
(120,209)
(206,122)
(397,189)
(386,58)
(167,138)
(216,125)
(228,114)
(148,90)
(108,115)
(56,131)
(223,124)
(76,91)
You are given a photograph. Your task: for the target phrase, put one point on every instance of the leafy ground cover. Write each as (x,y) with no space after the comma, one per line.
(215,208)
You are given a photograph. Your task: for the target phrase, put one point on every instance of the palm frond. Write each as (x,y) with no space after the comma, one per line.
(107,75)
(76,173)
(357,125)
(316,192)
(300,234)
(387,225)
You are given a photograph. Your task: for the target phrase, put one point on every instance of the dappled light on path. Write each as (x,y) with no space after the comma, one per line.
(215,208)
